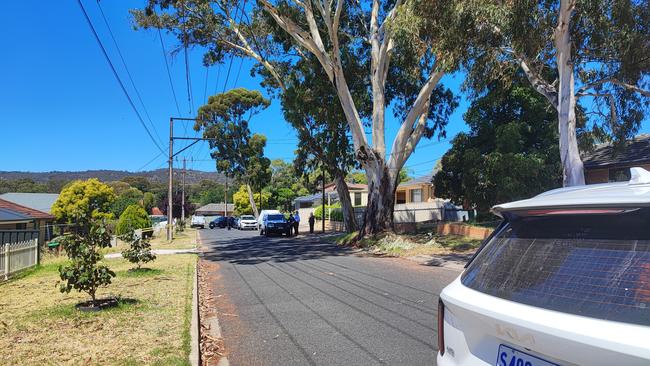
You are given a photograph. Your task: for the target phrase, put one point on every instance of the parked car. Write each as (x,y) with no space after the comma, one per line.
(197,221)
(263,213)
(247,222)
(275,224)
(564,280)
(219,221)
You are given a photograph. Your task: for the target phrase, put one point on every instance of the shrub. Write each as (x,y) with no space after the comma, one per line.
(139,250)
(134,217)
(83,246)
(336,213)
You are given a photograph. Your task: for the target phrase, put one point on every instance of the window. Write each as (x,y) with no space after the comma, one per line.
(595,265)
(619,175)
(400,197)
(357,198)
(416,195)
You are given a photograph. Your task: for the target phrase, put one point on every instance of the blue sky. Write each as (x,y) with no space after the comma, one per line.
(62,109)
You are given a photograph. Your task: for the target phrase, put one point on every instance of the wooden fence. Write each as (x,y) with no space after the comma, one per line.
(17,256)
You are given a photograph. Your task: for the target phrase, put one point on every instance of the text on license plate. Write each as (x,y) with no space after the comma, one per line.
(509,356)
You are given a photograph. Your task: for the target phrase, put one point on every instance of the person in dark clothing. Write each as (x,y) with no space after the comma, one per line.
(292,223)
(312,220)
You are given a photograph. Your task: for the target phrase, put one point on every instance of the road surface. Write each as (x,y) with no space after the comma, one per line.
(297,301)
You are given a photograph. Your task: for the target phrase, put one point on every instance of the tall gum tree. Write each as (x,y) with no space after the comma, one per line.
(589,59)
(406,50)
(237,152)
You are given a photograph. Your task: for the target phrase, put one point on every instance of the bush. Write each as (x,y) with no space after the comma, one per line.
(139,251)
(134,217)
(83,246)
(336,213)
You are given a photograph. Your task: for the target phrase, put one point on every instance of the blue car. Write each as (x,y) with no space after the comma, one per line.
(275,224)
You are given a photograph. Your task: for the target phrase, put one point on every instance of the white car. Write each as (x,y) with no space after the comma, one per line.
(246,222)
(564,280)
(197,221)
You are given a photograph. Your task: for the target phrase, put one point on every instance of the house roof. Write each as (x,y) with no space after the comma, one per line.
(604,155)
(635,193)
(38,201)
(215,207)
(425,179)
(156,211)
(351,186)
(10,215)
(23,210)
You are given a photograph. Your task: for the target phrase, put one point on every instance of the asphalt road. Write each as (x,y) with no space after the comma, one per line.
(298,301)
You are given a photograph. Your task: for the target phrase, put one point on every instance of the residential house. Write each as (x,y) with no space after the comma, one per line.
(215,209)
(608,164)
(358,196)
(15,217)
(416,190)
(37,201)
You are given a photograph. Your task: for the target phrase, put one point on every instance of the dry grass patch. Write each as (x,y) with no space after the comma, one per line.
(183,240)
(408,245)
(39,325)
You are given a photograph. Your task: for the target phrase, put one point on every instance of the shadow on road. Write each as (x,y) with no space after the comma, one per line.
(255,249)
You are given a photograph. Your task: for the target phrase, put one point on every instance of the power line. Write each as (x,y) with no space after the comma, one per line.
(128,73)
(241,62)
(117,77)
(225,84)
(205,88)
(149,162)
(188,79)
(169,75)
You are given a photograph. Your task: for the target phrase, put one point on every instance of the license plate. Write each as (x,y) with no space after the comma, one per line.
(509,356)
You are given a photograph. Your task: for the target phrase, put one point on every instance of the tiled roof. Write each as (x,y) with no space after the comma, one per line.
(636,150)
(425,179)
(29,212)
(37,201)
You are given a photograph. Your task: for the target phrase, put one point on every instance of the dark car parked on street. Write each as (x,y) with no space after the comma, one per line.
(218,221)
(275,224)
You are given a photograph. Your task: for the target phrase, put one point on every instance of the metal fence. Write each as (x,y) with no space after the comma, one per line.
(18,256)
(13,236)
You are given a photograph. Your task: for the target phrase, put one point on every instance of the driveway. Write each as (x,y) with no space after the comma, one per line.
(297,301)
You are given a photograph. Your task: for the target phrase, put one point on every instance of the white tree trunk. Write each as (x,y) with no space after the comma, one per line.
(349,218)
(251,199)
(572,167)
(382,183)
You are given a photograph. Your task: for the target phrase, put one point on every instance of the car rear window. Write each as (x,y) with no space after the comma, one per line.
(276,217)
(595,265)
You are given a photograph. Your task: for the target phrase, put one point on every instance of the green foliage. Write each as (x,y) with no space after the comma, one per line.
(609,51)
(27,185)
(242,202)
(83,246)
(509,153)
(128,197)
(139,182)
(284,185)
(134,217)
(335,212)
(148,201)
(82,200)
(139,251)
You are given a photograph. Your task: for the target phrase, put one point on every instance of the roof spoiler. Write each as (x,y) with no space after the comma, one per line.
(639,176)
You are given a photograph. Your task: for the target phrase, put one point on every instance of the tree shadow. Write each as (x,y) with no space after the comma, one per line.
(258,249)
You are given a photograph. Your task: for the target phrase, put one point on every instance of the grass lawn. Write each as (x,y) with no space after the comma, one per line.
(39,325)
(183,240)
(407,245)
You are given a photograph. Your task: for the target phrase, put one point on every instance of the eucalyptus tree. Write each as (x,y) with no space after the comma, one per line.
(405,53)
(238,153)
(587,58)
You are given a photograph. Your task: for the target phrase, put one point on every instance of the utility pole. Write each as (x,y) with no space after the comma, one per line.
(225,198)
(169,188)
(183,193)
(323,200)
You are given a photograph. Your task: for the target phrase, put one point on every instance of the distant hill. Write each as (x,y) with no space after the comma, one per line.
(154,176)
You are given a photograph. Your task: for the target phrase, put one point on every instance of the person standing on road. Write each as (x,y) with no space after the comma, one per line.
(291,223)
(312,220)
(296,223)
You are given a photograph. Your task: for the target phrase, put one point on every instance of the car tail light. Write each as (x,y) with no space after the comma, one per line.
(441,327)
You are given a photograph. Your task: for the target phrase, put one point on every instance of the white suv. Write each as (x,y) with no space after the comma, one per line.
(564,280)
(247,222)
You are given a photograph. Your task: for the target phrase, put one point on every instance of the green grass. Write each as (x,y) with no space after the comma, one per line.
(150,325)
